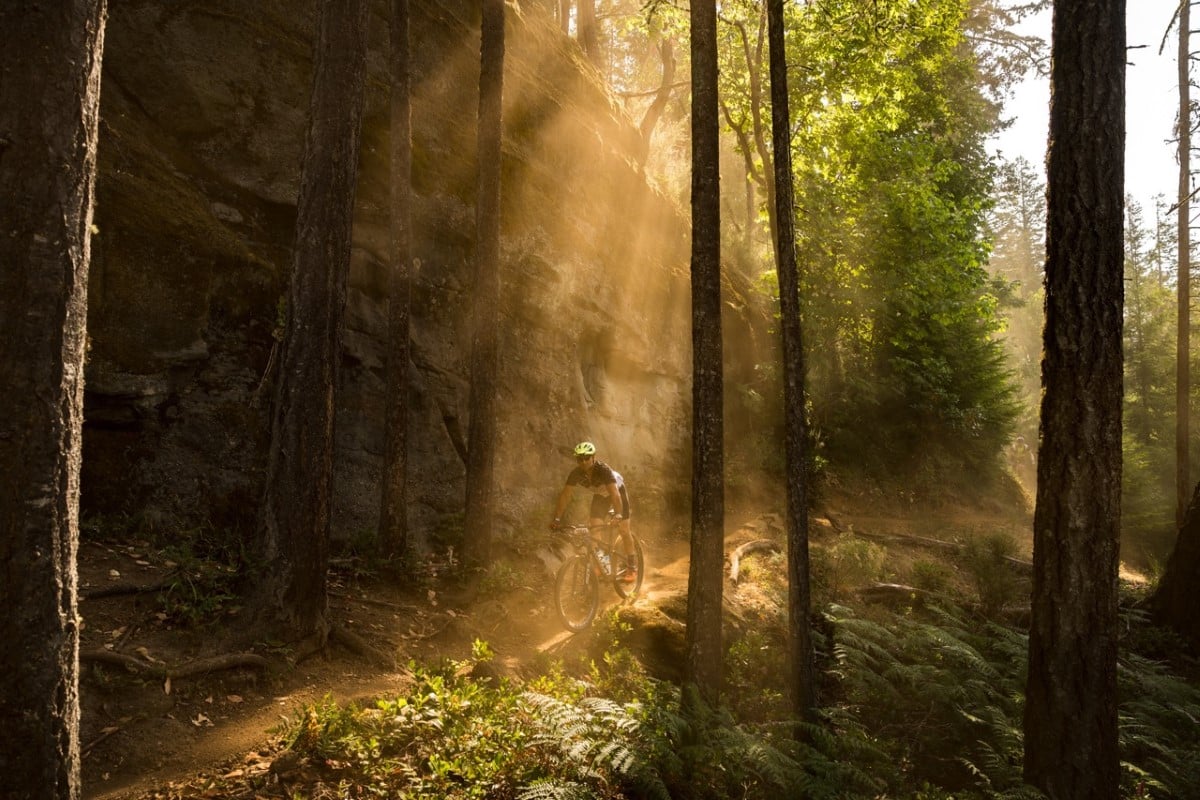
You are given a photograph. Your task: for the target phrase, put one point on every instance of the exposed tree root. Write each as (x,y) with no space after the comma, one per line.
(361,647)
(165,671)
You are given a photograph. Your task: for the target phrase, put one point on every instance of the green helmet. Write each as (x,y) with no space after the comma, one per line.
(585,449)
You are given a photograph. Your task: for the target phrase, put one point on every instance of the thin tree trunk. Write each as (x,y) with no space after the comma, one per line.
(295,513)
(589,38)
(1071,691)
(393,514)
(666,49)
(704,652)
(481,430)
(50,54)
(1184,319)
(800,647)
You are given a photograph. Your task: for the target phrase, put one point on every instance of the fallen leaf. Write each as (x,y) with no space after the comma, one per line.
(202,721)
(113,574)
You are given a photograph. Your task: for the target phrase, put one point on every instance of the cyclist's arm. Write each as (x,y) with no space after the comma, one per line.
(614,497)
(564,497)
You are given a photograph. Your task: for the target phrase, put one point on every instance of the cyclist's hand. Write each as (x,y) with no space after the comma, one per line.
(617,518)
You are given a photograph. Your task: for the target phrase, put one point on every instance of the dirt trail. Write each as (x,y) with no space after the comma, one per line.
(140,734)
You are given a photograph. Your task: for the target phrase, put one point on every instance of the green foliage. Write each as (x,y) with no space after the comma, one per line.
(986,561)
(753,665)
(847,564)
(618,673)
(1160,748)
(892,187)
(499,579)
(204,587)
(931,576)
(924,707)
(944,694)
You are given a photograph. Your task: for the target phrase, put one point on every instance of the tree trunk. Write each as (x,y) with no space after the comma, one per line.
(295,512)
(589,38)
(1071,692)
(1184,283)
(704,653)
(481,431)
(50,55)
(800,649)
(1176,603)
(393,513)
(666,49)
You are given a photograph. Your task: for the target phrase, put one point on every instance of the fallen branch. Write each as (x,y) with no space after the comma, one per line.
(937,544)
(735,558)
(118,589)
(892,593)
(165,671)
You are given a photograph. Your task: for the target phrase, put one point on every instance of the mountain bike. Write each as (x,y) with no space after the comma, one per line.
(577,585)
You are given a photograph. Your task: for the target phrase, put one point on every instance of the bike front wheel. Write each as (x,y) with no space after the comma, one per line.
(624,586)
(576,593)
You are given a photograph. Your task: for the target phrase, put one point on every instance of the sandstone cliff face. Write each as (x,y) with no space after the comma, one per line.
(203,114)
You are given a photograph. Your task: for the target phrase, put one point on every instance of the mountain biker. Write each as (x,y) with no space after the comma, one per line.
(608,496)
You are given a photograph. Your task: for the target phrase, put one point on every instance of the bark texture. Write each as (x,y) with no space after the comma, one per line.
(800,647)
(704,652)
(1071,693)
(481,432)
(393,512)
(295,513)
(1176,603)
(50,54)
(1184,285)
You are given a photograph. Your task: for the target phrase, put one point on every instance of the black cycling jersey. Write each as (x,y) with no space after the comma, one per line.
(602,475)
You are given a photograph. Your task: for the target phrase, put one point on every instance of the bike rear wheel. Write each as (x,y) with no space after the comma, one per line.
(629,588)
(576,593)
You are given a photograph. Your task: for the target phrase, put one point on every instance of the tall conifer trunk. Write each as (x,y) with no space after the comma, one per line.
(50,54)
(393,512)
(800,648)
(481,431)
(704,652)
(295,513)
(1071,691)
(1184,274)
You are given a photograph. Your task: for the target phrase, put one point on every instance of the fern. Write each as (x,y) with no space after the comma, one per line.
(556,790)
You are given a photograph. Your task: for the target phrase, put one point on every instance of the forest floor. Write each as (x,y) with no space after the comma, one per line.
(143,732)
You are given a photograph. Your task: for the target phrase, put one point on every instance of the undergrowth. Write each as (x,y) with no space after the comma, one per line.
(925,705)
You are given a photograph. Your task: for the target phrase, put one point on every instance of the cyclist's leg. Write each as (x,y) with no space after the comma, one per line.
(625,531)
(598,514)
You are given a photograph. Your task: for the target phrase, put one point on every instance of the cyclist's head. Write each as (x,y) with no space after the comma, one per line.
(584,451)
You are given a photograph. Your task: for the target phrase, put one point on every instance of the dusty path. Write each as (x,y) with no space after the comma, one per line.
(140,735)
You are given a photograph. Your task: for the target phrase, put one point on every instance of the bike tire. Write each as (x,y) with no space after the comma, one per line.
(576,593)
(631,589)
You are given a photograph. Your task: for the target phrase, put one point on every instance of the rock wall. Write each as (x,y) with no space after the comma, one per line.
(203,114)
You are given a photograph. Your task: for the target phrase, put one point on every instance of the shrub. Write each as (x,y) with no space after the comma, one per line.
(848,563)
(986,561)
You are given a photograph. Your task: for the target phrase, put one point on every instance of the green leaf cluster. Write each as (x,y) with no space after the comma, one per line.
(891,111)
